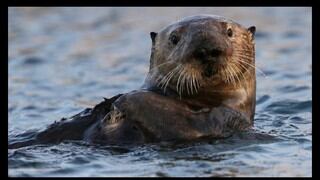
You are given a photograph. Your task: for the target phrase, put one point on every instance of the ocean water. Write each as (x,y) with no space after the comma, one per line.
(62,60)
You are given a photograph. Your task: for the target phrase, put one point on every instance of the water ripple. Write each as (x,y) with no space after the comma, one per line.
(62,60)
(289,107)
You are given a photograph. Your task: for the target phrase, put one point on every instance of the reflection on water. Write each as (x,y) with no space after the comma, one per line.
(62,60)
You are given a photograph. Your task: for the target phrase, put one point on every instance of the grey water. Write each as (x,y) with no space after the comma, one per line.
(63,60)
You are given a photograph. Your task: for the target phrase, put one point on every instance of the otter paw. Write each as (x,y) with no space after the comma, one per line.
(114,116)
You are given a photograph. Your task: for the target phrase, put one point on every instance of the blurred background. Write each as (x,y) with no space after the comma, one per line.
(64,59)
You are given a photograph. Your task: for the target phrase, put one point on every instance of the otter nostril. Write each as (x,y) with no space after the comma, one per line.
(135,128)
(205,54)
(215,53)
(201,53)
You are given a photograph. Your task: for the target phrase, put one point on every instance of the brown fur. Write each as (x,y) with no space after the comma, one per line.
(201,84)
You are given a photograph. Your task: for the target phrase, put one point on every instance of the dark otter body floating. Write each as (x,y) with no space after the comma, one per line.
(201,84)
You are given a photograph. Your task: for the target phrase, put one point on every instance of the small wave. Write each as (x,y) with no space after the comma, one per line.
(293,89)
(262,99)
(33,61)
(289,107)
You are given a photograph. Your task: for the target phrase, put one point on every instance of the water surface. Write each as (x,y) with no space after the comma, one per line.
(62,60)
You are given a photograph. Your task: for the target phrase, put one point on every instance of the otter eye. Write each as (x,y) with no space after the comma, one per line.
(229,32)
(174,39)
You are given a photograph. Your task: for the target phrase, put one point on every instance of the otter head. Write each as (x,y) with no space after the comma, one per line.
(200,52)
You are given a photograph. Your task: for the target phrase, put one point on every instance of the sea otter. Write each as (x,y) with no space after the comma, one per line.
(201,84)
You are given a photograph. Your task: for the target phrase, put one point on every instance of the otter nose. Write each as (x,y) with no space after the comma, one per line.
(207,54)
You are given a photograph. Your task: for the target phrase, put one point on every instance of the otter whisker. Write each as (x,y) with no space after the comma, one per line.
(248,57)
(180,83)
(235,72)
(172,75)
(190,78)
(160,77)
(226,75)
(243,50)
(233,75)
(194,83)
(230,75)
(159,65)
(223,75)
(243,57)
(238,65)
(189,81)
(238,73)
(255,67)
(245,69)
(163,79)
(179,80)
(166,79)
(198,81)
(185,82)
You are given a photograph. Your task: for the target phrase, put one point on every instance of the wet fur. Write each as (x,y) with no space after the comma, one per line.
(178,101)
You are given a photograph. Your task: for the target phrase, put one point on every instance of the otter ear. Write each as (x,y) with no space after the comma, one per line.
(252,29)
(153,36)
